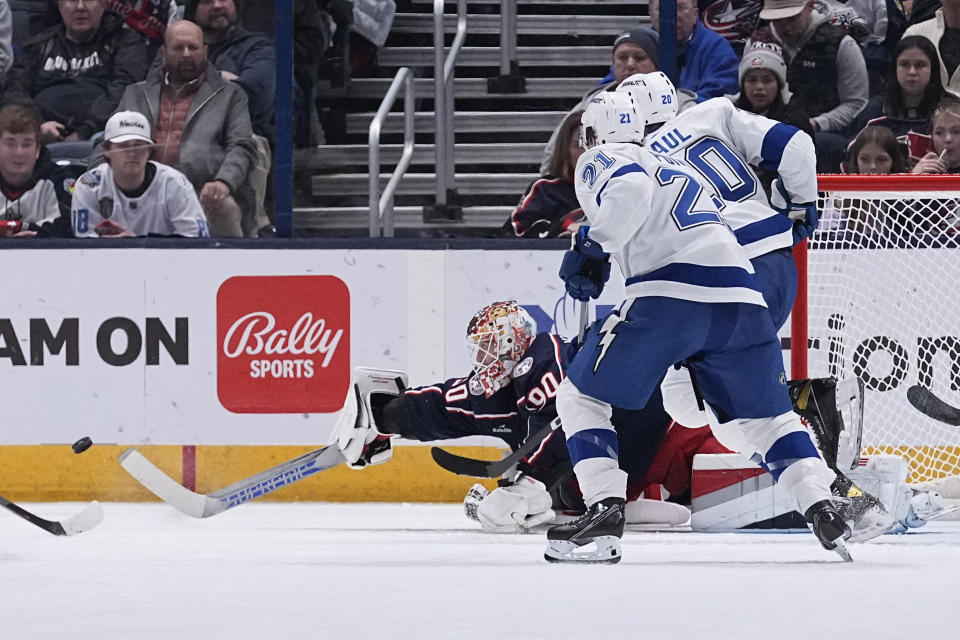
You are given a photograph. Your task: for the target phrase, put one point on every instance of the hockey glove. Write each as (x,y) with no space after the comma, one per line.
(805,216)
(585,267)
(510,509)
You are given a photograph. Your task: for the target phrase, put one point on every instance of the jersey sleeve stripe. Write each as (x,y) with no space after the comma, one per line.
(774,143)
(701,276)
(414,392)
(543,444)
(622,171)
(483,416)
(761,229)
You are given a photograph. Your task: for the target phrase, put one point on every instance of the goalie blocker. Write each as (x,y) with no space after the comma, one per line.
(355,432)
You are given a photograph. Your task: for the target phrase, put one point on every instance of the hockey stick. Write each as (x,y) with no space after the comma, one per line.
(199,505)
(924,401)
(87,519)
(486,469)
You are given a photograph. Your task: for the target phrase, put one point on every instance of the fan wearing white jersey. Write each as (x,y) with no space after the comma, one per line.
(692,298)
(130,196)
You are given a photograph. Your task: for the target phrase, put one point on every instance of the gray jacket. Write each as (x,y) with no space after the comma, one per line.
(217,141)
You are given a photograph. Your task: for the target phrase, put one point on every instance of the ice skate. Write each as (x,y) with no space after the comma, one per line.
(865,515)
(593,538)
(829,527)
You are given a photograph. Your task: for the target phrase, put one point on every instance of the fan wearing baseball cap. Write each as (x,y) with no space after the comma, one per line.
(825,70)
(130,195)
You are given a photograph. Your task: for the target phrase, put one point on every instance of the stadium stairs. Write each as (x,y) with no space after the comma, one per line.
(563,49)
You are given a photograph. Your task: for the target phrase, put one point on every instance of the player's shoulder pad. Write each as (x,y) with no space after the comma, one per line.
(544,354)
(597,165)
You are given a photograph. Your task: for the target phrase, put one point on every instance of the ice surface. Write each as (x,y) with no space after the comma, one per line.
(267,570)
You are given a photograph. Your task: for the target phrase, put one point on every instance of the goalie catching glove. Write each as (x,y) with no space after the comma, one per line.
(356,430)
(514,508)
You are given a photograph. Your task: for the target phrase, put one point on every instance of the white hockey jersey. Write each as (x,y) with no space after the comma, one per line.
(721,142)
(663,225)
(169,206)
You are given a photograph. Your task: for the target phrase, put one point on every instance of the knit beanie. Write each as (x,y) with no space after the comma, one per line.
(764,55)
(645,38)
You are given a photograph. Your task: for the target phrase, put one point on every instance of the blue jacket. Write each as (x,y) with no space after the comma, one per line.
(709,66)
(252,57)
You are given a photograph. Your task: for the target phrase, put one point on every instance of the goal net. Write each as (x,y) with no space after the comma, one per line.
(882,304)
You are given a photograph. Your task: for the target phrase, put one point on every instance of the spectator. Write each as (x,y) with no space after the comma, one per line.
(945,156)
(826,71)
(549,207)
(33,189)
(249,60)
(875,150)
(942,31)
(130,196)
(149,18)
(706,63)
(201,125)
(764,91)
(636,51)
(737,25)
(912,94)
(75,72)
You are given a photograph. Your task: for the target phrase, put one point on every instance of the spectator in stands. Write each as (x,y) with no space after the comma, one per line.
(913,91)
(549,207)
(33,189)
(75,73)
(201,124)
(942,31)
(636,51)
(945,155)
(825,70)
(130,196)
(149,18)
(876,25)
(875,150)
(706,63)
(249,60)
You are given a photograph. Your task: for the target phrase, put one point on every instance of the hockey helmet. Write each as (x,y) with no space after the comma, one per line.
(611,117)
(497,336)
(655,95)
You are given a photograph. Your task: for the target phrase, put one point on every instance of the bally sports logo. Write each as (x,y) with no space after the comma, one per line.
(283,344)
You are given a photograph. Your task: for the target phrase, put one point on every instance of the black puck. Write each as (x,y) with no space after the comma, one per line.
(82,444)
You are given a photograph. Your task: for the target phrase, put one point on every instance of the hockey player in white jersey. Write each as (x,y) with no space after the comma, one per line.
(691,297)
(721,142)
(130,195)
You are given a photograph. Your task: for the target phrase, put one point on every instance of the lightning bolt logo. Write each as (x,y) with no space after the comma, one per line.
(608,332)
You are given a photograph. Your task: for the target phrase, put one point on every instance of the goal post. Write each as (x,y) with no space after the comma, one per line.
(879,300)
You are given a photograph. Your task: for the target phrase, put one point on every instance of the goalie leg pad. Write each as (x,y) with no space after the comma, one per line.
(356,431)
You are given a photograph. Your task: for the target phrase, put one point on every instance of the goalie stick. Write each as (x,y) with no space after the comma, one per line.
(494,469)
(87,519)
(199,505)
(924,401)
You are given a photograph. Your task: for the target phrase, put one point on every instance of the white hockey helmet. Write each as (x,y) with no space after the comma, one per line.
(611,117)
(654,93)
(497,336)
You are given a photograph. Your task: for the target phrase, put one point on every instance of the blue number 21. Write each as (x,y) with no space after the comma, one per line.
(690,191)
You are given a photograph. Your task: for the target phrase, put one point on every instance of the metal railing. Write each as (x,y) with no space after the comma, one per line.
(443,99)
(381,205)
(508,37)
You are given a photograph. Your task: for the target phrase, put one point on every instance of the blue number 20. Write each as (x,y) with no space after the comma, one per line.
(690,191)
(733,180)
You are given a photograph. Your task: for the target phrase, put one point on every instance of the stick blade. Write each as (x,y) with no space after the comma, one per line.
(87,519)
(924,401)
(465,466)
(165,487)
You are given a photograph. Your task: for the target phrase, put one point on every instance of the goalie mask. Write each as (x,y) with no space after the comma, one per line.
(654,95)
(611,117)
(497,336)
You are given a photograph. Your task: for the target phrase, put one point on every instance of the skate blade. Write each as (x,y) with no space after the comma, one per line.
(602,550)
(841,550)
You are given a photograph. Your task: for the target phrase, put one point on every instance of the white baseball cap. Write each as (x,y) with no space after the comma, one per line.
(127,125)
(779,9)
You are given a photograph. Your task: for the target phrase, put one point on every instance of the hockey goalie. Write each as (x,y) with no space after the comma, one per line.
(510,394)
